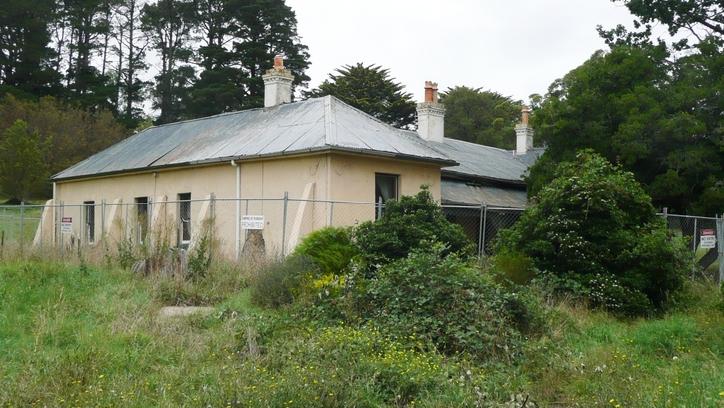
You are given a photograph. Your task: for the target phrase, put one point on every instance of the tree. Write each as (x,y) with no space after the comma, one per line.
(482,117)
(658,118)
(87,24)
(71,134)
(701,18)
(168,23)
(239,40)
(25,53)
(370,89)
(131,50)
(22,165)
(595,227)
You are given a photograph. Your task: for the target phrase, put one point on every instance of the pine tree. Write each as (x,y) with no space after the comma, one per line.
(168,23)
(370,89)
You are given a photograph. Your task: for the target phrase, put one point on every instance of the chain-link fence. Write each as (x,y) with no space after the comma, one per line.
(271,226)
(700,236)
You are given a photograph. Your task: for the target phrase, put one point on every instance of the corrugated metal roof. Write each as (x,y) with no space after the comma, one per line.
(317,124)
(485,161)
(460,192)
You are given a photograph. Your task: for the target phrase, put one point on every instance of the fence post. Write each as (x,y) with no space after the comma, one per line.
(485,224)
(720,246)
(22,226)
(693,248)
(480,231)
(284,224)
(331,213)
(103,221)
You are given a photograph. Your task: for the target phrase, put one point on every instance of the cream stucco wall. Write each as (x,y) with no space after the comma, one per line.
(263,183)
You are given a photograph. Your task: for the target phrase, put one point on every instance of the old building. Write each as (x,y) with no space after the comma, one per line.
(297,166)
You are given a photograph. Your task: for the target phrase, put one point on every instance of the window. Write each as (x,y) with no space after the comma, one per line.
(184,211)
(386,188)
(89,209)
(141,218)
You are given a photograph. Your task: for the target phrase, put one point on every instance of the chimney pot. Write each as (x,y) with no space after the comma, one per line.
(525,115)
(431,92)
(278,62)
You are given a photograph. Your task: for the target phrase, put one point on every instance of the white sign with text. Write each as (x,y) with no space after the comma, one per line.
(252,222)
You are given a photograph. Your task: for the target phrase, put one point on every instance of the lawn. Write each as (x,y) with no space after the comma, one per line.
(86,336)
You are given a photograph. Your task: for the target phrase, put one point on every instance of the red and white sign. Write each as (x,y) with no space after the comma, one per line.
(66,225)
(707,239)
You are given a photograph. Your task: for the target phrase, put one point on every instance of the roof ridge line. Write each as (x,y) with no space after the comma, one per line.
(330,128)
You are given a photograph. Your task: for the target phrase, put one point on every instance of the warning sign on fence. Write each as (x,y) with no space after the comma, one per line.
(252,222)
(66,225)
(707,239)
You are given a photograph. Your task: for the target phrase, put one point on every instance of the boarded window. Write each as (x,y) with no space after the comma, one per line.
(386,188)
(184,211)
(141,218)
(89,213)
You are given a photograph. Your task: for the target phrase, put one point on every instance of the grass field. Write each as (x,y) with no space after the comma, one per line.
(84,336)
(11,226)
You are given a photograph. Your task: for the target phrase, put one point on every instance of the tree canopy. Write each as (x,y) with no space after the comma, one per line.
(22,165)
(654,108)
(371,89)
(478,116)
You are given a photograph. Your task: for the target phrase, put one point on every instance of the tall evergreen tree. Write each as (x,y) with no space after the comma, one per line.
(168,23)
(25,52)
(131,54)
(22,168)
(239,40)
(87,25)
(478,116)
(370,89)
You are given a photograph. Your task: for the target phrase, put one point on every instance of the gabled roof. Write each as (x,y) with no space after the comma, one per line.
(312,125)
(485,162)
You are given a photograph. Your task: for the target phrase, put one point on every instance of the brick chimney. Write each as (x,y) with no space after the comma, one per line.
(523,133)
(277,84)
(431,115)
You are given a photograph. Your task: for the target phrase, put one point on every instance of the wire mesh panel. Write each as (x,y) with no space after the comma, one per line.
(699,234)
(470,218)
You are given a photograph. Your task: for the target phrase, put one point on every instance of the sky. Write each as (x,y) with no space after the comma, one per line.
(514,47)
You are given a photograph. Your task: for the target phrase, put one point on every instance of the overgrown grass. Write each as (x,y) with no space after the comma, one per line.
(80,336)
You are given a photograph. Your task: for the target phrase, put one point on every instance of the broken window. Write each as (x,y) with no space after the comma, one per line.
(141,218)
(386,188)
(89,209)
(184,211)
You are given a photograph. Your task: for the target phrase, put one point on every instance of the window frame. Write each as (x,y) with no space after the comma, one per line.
(89,221)
(184,231)
(379,209)
(142,226)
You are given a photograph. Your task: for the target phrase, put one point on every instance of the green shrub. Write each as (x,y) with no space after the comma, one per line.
(595,220)
(281,282)
(514,266)
(330,248)
(405,226)
(448,303)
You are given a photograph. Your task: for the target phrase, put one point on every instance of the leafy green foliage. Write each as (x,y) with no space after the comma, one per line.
(658,118)
(370,89)
(595,220)
(330,248)
(448,303)
(483,117)
(70,134)
(22,167)
(407,224)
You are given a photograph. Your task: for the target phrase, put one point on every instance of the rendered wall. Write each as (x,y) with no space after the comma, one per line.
(263,185)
